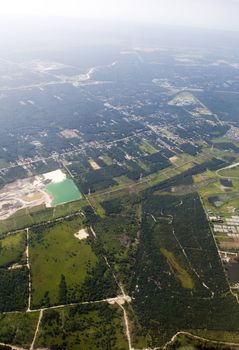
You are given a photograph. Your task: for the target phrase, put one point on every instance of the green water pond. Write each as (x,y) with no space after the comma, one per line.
(63,192)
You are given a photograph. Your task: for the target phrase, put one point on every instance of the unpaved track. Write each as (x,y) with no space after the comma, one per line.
(119,300)
(126,321)
(108,300)
(12,346)
(37,330)
(115,278)
(29,273)
(200,339)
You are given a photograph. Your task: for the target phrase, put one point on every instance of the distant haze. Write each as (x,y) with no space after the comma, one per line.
(213,14)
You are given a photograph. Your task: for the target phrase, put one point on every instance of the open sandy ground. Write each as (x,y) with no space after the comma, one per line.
(27,193)
(81,234)
(94,165)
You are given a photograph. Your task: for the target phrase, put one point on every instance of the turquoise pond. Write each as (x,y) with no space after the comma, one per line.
(63,192)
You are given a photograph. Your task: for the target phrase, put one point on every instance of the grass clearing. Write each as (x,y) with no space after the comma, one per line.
(106,159)
(39,214)
(123,180)
(146,147)
(218,335)
(55,252)
(187,341)
(204,176)
(230,172)
(229,200)
(142,165)
(97,207)
(178,271)
(12,248)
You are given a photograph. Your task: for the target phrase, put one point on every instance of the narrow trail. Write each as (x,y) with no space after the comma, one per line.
(29,273)
(12,233)
(198,338)
(234,165)
(229,253)
(121,301)
(67,170)
(167,216)
(118,300)
(126,321)
(108,300)
(153,218)
(59,219)
(93,232)
(115,278)
(125,298)
(12,346)
(37,330)
(234,294)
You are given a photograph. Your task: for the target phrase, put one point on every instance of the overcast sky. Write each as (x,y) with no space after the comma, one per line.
(218,14)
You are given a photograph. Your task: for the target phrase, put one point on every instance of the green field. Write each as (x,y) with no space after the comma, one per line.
(217,199)
(63,192)
(145,146)
(178,271)
(12,248)
(31,216)
(54,251)
(230,172)
(106,159)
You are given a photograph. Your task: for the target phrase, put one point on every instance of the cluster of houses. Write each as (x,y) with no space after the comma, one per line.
(230,226)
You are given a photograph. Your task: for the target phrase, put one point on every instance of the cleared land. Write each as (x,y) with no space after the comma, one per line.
(94,165)
(49,189)
(81,234)
(55,252)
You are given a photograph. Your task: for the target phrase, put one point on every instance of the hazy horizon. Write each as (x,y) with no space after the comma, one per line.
(211,14)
